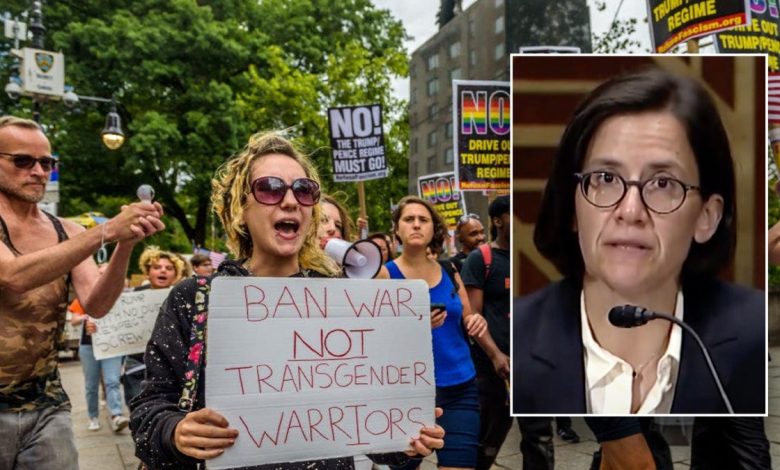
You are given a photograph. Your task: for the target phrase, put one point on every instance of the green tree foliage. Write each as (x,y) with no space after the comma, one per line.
(446,12)
(196,79)
(543,23)
(619,38)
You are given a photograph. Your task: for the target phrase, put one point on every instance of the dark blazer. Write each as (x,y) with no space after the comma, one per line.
(548,375)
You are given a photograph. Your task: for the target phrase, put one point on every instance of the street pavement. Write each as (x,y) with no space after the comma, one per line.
(105,450)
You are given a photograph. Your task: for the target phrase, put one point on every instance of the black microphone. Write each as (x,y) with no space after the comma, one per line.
(629,316)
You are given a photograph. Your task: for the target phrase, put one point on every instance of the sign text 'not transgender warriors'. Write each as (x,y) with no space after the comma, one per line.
(318,368)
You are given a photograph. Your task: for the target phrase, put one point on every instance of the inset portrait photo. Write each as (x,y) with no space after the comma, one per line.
(639,201)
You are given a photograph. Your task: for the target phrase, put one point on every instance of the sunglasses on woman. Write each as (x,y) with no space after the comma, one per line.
(26,162)
(270,190)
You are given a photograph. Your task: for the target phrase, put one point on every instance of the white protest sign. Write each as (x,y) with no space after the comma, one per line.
(318,368)
(127,327)
(358,143)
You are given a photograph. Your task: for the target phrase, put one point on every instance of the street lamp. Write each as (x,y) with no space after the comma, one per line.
(42,75)
(112,134)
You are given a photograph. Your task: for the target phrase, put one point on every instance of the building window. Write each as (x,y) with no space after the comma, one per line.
(413,147)
(413,119)
(456,74)
(471,28)
(432,164)
(414,169)
(454,49)
(412,99)
(499,50)
(413,71)
(499,3)
(500,24)
(432,139)
(433,86)
(472,57)
(448,130)
(448,156)
(433,112)
(433,62)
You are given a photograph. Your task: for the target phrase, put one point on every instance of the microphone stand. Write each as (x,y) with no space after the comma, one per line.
(673,319)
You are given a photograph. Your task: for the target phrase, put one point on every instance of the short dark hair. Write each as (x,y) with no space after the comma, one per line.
(439,228)
(648,90)
(198,259)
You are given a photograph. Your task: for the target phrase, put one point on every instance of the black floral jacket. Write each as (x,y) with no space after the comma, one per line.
(155,412)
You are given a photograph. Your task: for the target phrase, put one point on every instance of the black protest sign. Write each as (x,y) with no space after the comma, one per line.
(358,143)
(481,116)
(439,190)
(676,21)
(759,36)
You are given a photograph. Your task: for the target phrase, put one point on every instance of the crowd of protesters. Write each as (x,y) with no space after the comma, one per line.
(268,189)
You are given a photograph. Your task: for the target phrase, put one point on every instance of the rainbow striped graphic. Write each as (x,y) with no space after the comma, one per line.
(474,109)
(439,190)
(499,113)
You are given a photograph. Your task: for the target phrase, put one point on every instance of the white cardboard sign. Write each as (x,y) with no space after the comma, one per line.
(318,368)
(127,327)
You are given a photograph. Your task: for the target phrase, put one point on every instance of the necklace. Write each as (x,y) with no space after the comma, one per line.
(638,370)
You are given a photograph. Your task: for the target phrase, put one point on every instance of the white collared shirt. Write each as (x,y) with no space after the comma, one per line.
(609,379)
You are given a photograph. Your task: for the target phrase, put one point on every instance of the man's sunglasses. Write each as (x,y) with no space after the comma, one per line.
(270,190)
(26,162)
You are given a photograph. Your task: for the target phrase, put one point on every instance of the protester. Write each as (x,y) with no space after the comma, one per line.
(40,255)
(185,271)
(469,233)
(421,230)
(487,285)
(336,222)
(639,211)
(201,265)
(109,369)
(163,269)
(267,199)
(381,241)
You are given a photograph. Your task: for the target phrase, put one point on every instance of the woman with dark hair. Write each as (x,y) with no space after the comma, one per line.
(381,241)
(640,210)
(419,228)
(267,199)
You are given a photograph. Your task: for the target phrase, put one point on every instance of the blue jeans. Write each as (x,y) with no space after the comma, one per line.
(34,440)
(110,368)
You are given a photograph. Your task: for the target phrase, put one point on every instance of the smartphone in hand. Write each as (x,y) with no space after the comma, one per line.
(438,314)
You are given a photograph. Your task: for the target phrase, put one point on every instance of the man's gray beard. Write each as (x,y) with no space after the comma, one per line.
(14,194)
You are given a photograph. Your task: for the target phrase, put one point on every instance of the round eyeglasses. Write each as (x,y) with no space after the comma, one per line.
(660,194)
(270,190)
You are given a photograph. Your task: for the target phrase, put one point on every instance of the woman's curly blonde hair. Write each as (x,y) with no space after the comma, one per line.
(153,254)
(231,187)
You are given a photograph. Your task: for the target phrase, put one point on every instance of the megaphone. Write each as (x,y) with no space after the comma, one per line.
(359,260)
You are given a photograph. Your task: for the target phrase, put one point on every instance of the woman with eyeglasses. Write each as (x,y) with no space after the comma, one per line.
(267,199)
(640,211)
(420,228)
